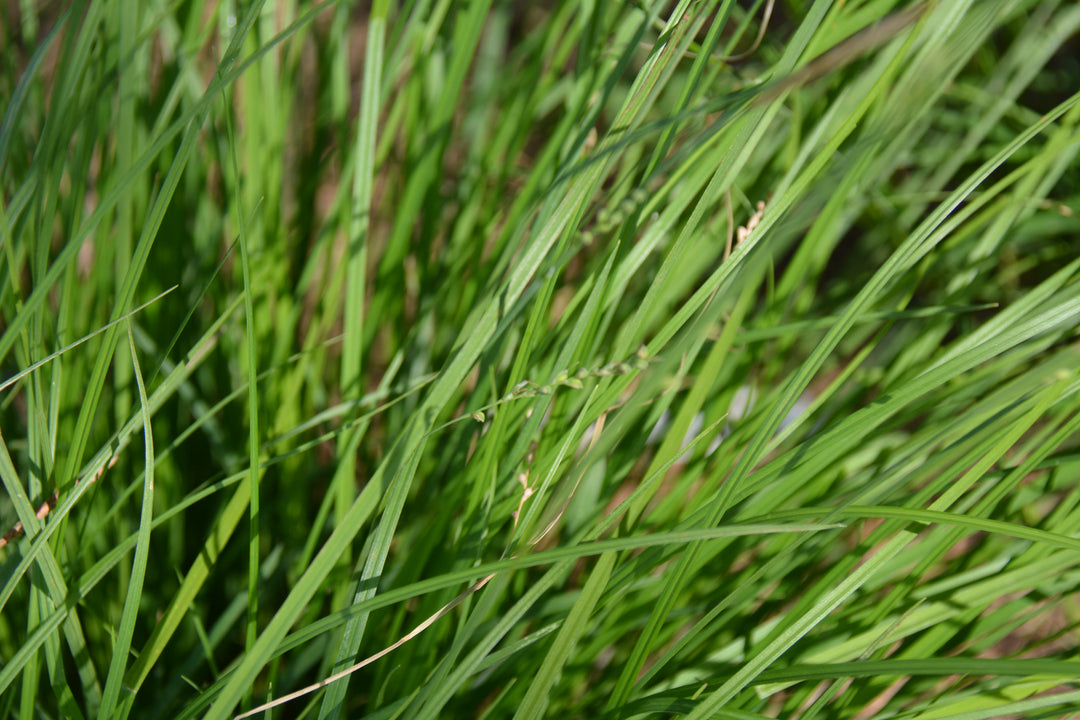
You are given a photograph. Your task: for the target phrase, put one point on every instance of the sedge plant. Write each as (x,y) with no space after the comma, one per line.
(513,360)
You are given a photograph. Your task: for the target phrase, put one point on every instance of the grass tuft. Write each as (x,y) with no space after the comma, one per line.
(615,360)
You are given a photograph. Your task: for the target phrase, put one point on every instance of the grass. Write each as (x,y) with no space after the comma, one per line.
(514,360)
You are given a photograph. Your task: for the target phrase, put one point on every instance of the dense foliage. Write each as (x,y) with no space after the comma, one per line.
(599,359)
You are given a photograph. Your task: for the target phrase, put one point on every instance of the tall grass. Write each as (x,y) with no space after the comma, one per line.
(607,360)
